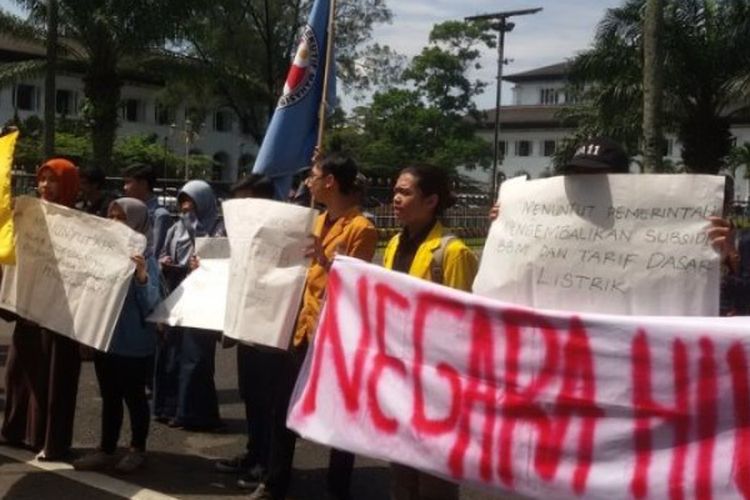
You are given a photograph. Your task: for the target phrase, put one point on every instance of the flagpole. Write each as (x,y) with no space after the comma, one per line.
(322,111)
(326,75)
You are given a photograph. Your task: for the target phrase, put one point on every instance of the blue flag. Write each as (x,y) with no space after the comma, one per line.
(292,134)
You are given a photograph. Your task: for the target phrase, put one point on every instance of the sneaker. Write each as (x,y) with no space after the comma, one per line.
(45,456)
(261,493)
(97,460)
(251,480)
(132,461)
(233,465)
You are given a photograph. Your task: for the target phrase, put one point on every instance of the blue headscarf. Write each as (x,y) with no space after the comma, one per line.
(204,222)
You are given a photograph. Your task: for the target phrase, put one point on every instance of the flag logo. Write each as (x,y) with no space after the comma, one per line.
(301,77)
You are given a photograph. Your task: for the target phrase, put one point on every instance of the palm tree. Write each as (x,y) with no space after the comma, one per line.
(706,72)
(739,157)
(105,41)
(653,86)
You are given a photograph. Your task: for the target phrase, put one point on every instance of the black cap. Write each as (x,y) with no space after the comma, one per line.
(599,155)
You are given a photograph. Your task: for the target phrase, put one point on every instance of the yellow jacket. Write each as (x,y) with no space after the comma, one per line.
(351,234)
(459,262)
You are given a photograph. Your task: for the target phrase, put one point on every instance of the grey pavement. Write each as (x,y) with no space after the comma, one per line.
(181,463)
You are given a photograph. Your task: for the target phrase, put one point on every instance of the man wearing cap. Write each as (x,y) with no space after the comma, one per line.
(598,156)
(601,155)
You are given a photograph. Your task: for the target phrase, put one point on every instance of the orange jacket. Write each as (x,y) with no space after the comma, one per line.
(351,234)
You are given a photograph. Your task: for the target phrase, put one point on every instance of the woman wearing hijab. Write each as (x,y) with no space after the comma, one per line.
(123,369)
(41,374)
(184,389)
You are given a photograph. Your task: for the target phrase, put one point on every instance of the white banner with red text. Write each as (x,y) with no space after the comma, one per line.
(546,404)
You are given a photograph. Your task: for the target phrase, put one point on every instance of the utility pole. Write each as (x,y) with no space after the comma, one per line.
(502,26)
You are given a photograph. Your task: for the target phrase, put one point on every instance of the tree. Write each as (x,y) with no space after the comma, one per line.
(706,68)
(241,50)
(106,41)
(433,118)
(739,157)
(50,86)
(653,86)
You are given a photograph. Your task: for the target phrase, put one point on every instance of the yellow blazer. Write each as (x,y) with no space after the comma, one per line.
(351,234)
(460,264)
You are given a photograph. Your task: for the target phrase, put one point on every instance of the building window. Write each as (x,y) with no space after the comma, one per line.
(668,147)
(548,148)
(245,125)
(502,149)
(65,102)
(164,115)
(523,148)
(549,96)
(131,110)
(223,121)
(26,97)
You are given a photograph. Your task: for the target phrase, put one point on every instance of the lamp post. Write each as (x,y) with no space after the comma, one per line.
(502,26)
(191,135)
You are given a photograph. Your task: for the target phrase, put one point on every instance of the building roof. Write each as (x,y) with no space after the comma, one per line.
(552,72)
(523,117)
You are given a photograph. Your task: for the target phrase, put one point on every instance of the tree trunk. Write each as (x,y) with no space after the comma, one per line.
(102,87)
(653,87)
(50,87)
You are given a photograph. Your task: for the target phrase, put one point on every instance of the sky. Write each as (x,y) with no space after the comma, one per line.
(558,32)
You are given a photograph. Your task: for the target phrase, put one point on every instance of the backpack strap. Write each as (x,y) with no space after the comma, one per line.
(436,266)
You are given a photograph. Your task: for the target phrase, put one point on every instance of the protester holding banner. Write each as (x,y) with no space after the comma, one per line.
(184,388)
(41,373)
(258,370)
(341,229)
(122,370)
(425,249)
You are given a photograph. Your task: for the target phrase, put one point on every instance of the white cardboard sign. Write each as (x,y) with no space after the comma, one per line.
(267,269)
(72,271)
(621,244)
(200,300)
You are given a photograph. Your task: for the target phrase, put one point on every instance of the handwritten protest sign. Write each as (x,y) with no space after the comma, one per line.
(548,404)
(7,247)
(267,269)
(200,300)
(72,270)
(620,244)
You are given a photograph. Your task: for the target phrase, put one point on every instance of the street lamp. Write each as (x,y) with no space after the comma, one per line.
(191,135)
(502,26)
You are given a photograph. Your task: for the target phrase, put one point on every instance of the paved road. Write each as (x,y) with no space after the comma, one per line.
(180,463)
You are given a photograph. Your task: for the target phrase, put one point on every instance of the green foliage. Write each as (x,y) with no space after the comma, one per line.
(706,71)
(240,52)
(427,122)
(739,157)
(106,41)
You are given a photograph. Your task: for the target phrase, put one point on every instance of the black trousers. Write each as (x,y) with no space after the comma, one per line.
(283,440)
(258,372)
(123,379)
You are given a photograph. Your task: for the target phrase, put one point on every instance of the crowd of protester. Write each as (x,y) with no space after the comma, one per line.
(174,366)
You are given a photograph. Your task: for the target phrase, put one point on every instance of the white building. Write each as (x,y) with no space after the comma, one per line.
(219,137)
(530,131)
